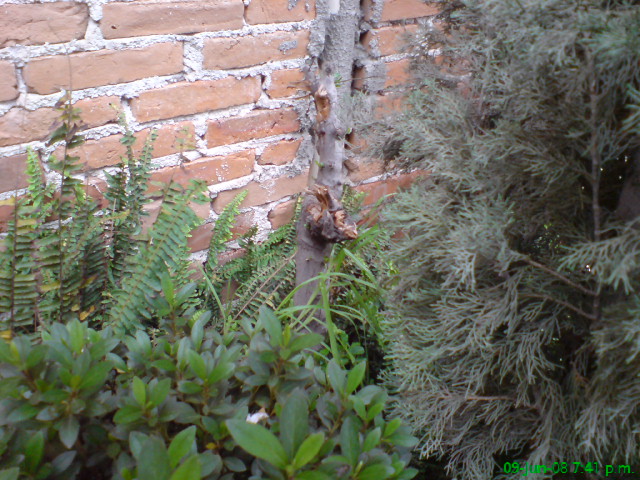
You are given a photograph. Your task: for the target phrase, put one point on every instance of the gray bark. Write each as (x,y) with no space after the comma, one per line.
(322,221)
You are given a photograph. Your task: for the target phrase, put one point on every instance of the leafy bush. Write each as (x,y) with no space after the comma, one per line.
(190,404)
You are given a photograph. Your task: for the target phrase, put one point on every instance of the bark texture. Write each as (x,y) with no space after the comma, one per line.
(322,220)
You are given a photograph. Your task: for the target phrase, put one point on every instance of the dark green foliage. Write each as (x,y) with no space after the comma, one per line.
(515,326)
(263,275)
(192,404)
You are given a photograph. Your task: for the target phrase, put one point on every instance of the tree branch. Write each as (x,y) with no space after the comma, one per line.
(559,276)
(562,303)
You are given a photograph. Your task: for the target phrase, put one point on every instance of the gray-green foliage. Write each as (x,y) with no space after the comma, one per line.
(515,327)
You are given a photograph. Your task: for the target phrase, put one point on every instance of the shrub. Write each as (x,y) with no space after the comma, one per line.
(190,404)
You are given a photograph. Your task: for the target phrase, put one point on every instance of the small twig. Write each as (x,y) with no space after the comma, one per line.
(559,276)
(564,304)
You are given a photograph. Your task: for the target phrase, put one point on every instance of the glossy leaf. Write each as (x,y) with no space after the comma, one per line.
(181,444)
(258,441)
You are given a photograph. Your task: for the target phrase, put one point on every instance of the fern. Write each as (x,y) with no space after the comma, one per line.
(222,231)
(167,237)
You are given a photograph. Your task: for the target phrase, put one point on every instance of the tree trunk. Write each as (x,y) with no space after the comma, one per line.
(322,221)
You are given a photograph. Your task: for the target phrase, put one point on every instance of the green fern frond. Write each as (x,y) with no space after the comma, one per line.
(167,239)
(222,231)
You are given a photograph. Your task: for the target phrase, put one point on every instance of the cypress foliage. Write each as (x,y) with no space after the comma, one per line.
(514,332)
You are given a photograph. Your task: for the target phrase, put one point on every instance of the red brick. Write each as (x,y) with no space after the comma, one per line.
(261,193)
(134,19)
(38,23)
(212,170)
(187,98)
(282,213)
(238,52)
(20,126)
(105,67)
(256,124)
(278,11)
(361,168)
(12,172)
(201,236)
(108,150)
(397,73)
(401,9)
(280,153)
(287,83)
(388,104)
(242,224)
(8,82)
(388,40)
(376,190)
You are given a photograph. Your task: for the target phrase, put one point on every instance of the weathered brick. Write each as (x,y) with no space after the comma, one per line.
(238,52)
(20,126)
(8,82)
(376,190)
(12,172)
(397,73)
(201,236)
(153,209)
(278,11)
(212,170)
(105,67)
(134,19)
(38,23)
(187,98)
(108,150)
(280,153)
(7,208)
(255,124)
(388,40)
(261,193)
(287,83)
(400,9)
(363,168)
(282,213)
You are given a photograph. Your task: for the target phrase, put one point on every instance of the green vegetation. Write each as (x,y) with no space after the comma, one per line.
(114,364)
(514,328)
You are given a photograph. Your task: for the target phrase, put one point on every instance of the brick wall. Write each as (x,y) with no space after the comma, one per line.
(223,74)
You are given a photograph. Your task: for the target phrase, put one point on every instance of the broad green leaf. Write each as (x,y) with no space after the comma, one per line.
(76,335)
(33,451)
(181,444)
(377,471)
(139,391)
(159,392)
(10,473)
(336,377)
(153,461)
(68,431)
(258,441)
(294,422)
(305,341)
(128,414)
(23,412)
(95,377)
(372,439)
(136,440)
(222,371)
(189,470)
(271,324)
(349,441)
(355,377)
(392,426)
(196,362)
(308,450)
(375,410)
